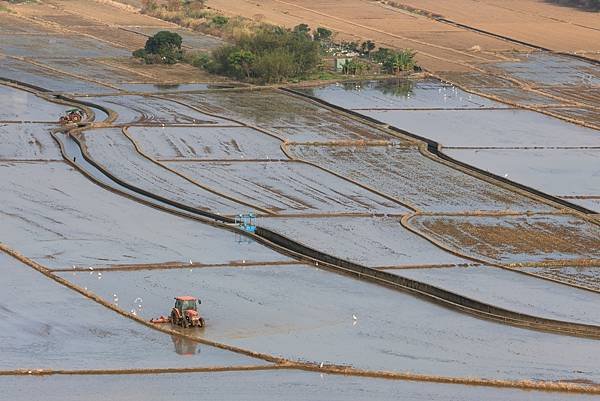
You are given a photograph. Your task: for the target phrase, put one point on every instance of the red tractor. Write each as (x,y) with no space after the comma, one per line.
(185,313)
(71,116)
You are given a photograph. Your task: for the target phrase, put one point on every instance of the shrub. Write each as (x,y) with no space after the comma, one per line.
(200,60)
(139,53)
(150,58)
(219,21)
(322,35)
(269,54)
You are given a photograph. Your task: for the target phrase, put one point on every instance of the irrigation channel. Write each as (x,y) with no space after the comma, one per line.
(73,152)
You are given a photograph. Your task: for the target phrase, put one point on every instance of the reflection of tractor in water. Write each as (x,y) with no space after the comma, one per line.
(184,346)
(185,313)
(71,116)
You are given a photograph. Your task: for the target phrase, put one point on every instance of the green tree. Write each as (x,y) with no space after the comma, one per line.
(322,35)
(163,41)
(302,29)
(164,47)
(367,47)
(241,61)
(381,54)
(270,54)
(354,67)
(396,62)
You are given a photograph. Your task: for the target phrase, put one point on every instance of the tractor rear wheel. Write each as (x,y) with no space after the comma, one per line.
(174,319)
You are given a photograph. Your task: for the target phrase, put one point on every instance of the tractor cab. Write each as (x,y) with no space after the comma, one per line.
(246,222)
(186,303)
(185,312)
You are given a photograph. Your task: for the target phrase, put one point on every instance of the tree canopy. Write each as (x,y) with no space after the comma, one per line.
(270,54)
(164,47)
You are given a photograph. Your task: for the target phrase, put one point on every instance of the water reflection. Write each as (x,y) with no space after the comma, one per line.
(399,87)
(184,346)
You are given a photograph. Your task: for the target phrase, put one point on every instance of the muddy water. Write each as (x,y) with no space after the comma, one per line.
(49,45)
(411,177)
(544,68)
(376,241)
(513,291)
(278,385)
(223,143)
(44,325)
(287,187)
(304,313)
(483,128)
(111,149)
(555,171)
(23,106)
(588,276)
(288,117)
(48,79)
(515,239)
(136,109)
(79,223)
(28,142)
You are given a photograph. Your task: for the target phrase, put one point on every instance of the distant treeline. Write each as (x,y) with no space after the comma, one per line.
(593,5)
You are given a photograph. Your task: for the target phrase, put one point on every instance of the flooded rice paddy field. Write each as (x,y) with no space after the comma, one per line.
(290,385)
(304,313)
(290,118)
(65,46)
(573,171)
(515,239)
(136,109)
(543,68)
(206,143)
(372,241)
(400,94)
(590,203)
(94,68)
(286,187)
(403,172)
(110,148)
(28,142)
(45,325)
(57,217)
(257,299)
(20,106)
(510,128)
(513,291)
(586,276)
(45,78)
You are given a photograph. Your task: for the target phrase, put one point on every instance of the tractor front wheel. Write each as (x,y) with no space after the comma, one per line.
(185,322)
(174,319)
(201,322)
